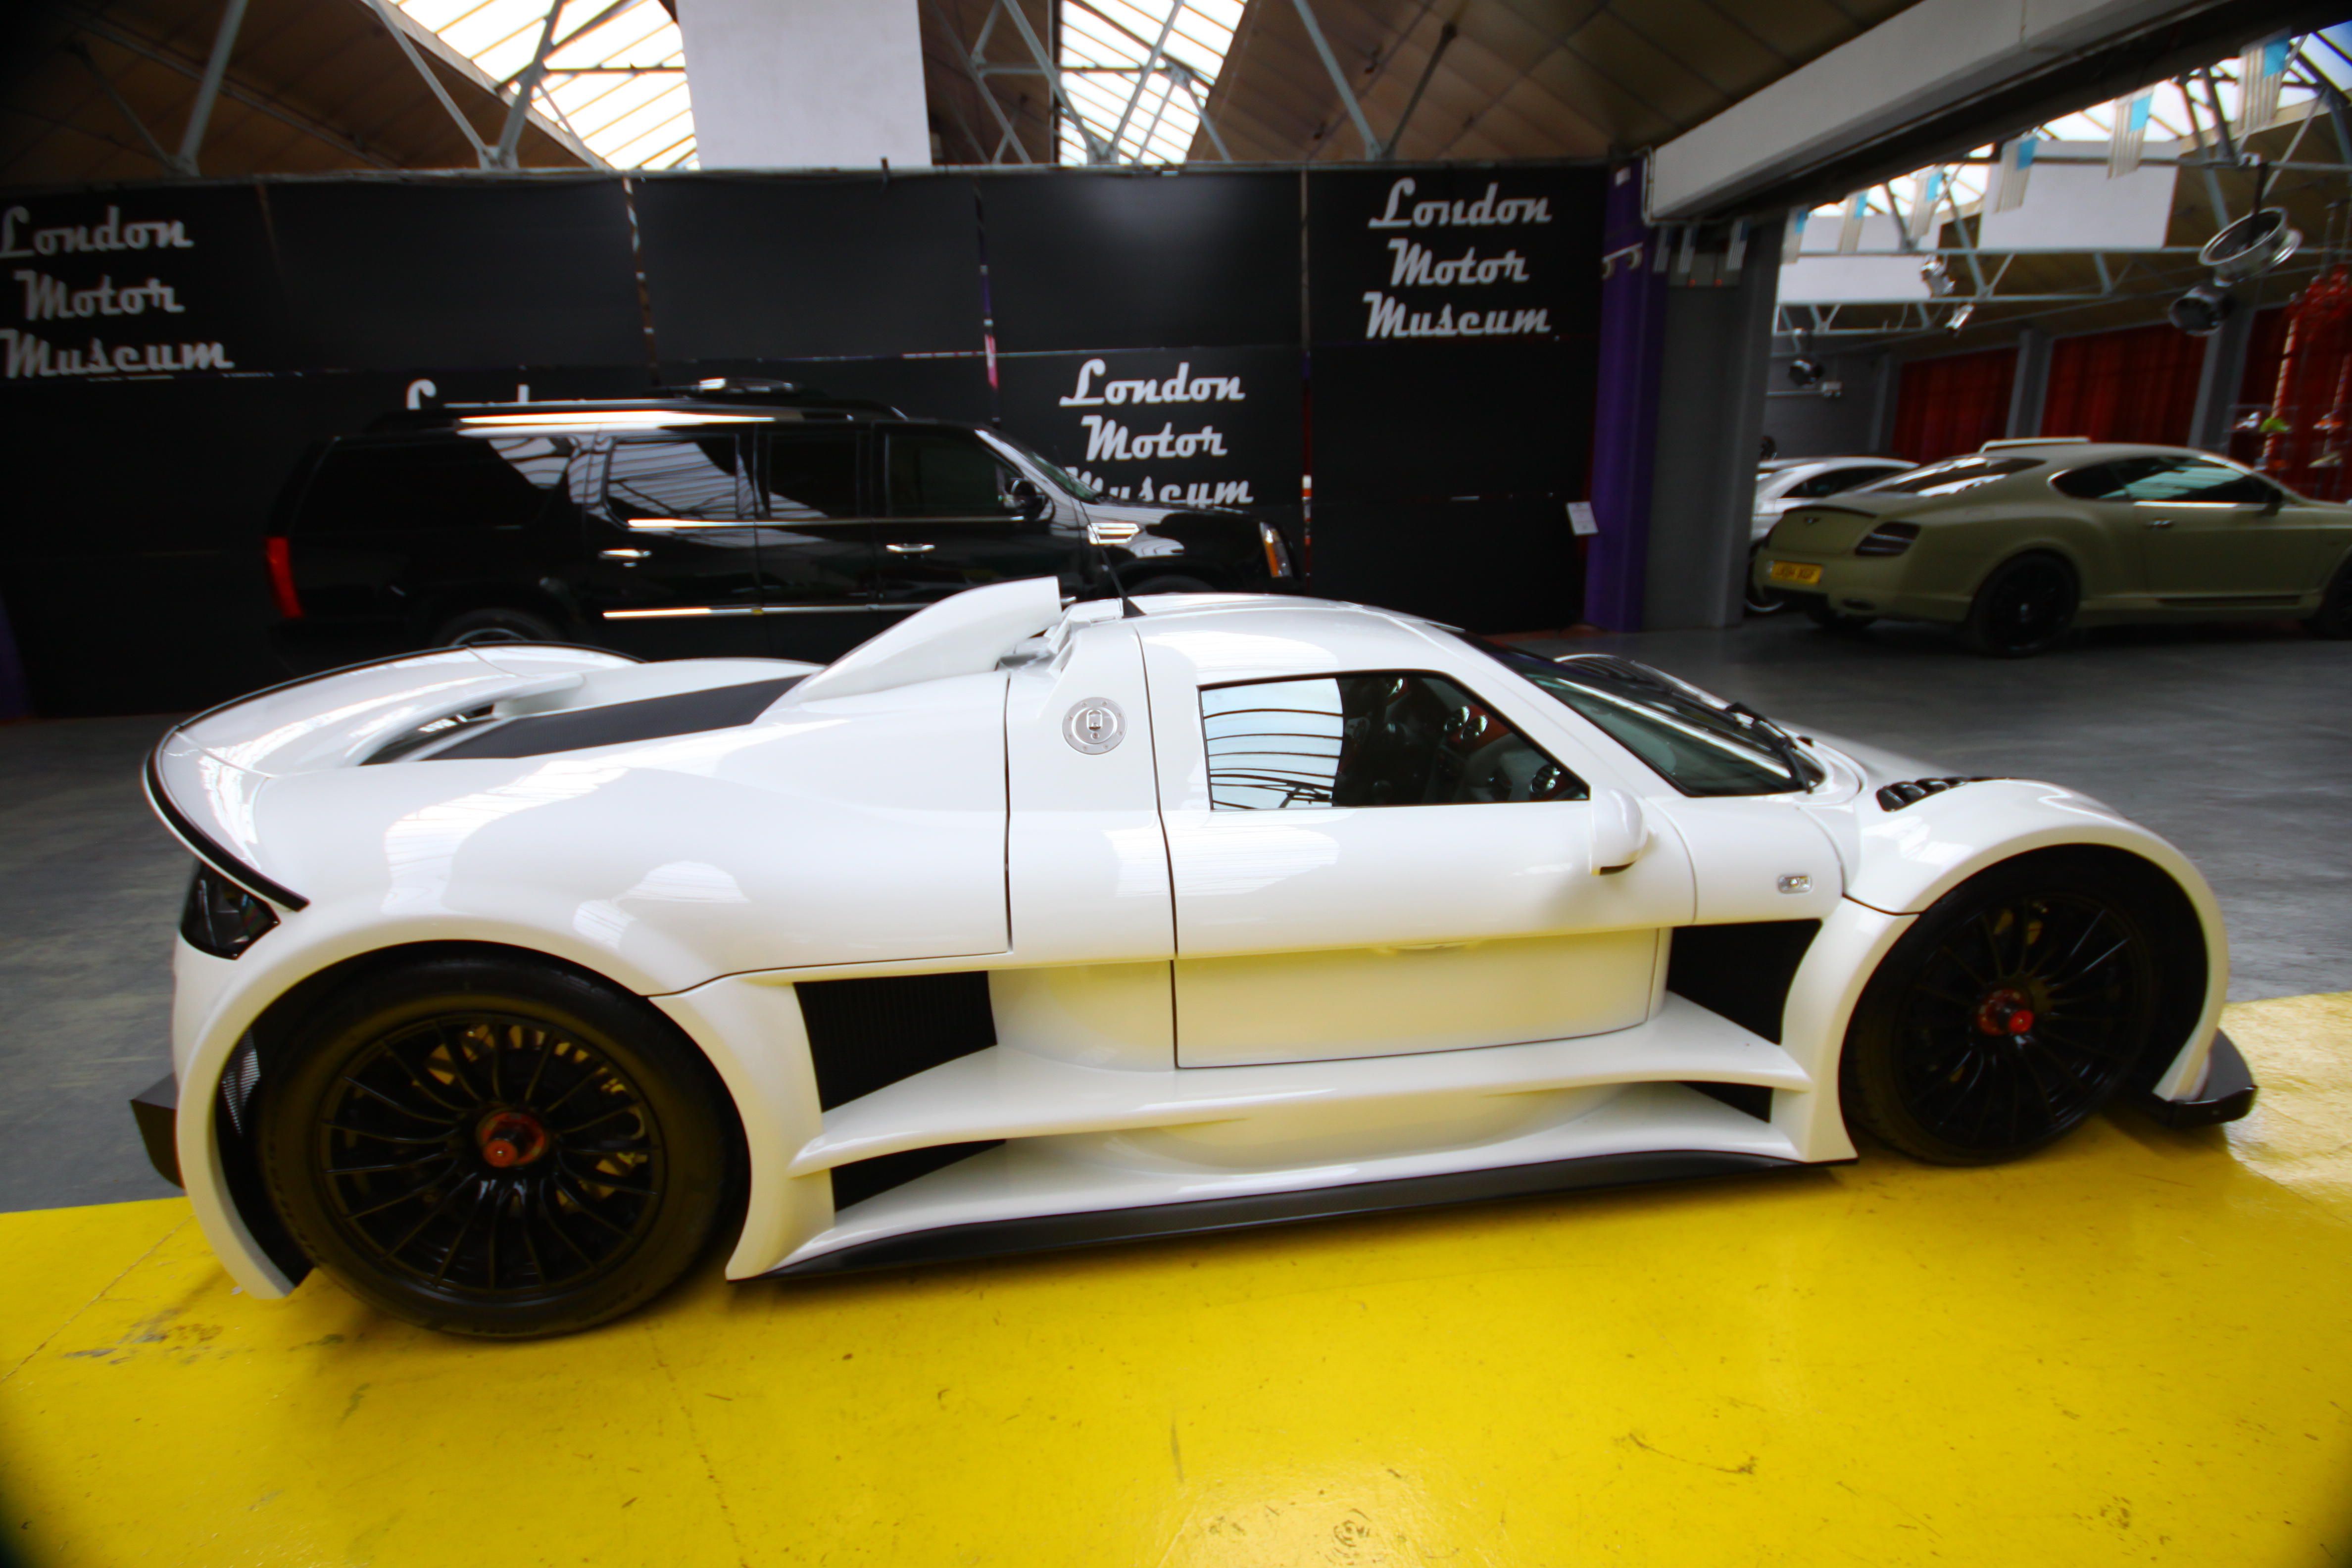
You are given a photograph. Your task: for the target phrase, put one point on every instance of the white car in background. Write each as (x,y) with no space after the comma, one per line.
(1784,482)
(513,977)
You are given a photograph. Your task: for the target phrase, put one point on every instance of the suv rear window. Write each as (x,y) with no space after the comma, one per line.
(416,486)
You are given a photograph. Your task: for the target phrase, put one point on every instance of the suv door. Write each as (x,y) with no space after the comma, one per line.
(951,521)
(673,568)
(816,540)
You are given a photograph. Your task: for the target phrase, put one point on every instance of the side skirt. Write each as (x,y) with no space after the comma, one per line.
(1058,1233)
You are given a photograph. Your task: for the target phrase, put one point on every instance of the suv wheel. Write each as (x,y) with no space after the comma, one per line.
(495,623)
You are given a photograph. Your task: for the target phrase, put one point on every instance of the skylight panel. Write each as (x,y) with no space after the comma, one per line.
(619,86)
(1125,114)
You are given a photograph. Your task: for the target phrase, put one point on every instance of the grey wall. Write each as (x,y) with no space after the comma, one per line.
(1806,424)
(1719,342)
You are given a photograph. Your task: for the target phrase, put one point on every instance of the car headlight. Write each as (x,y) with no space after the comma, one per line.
(221,918)
(1888,539)
(1278,554)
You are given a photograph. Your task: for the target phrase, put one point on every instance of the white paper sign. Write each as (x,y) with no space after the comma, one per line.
(1579,516)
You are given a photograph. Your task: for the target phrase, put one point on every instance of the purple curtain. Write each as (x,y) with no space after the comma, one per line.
(1625,415)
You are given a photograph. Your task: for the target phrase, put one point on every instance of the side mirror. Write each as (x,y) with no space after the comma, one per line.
(2277,499)
(1620,832)
(1024,501)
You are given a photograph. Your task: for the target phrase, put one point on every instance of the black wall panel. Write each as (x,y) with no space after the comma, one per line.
(785,268)
(176,352)
(1100,261)
(389,276)
(1217,426)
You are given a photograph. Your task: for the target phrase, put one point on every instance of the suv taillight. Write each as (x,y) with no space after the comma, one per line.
(281,578)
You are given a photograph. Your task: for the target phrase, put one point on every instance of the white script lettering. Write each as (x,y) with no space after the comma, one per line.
(28,356)
(47,298)
(1484,213)
(1108,441)
(1389,319)
(1182,387)
(1414,268)
(158,233)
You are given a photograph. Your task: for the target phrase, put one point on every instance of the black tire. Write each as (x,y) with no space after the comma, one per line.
(1818,612)
(2009,1013)
(1758,601)
(2334,617)
(494,624)
(1168,585)
(410,1140)
(2025,607)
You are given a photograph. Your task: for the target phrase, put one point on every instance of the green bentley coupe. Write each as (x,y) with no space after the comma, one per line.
(2018,543)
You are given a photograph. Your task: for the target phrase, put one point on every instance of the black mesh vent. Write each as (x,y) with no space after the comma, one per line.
(862,1179)
(867,1034)
(1741,971)
(647,718)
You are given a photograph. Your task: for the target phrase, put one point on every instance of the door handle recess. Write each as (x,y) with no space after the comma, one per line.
(2160,522)
(910,549)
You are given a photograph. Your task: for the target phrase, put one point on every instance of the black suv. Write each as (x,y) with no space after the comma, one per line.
(724,519)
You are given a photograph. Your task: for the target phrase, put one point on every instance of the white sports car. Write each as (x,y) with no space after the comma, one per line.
(511,977)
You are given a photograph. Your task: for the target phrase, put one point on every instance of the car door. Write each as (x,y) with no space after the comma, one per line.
(2209,531)
(674,562)
(817,546)
(1383,862)
(952,522)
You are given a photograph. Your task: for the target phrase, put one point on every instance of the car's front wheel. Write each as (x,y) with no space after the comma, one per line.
(496,1147)
(2334,619)
(2009,1012)
(2026,607)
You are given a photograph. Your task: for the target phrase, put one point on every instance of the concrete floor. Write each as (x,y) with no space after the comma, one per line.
(2234,743)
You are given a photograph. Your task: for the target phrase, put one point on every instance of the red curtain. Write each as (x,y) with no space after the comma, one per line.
(1952,404)
(2135,384)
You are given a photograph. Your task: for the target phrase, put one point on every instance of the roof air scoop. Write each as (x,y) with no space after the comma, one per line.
(965,635)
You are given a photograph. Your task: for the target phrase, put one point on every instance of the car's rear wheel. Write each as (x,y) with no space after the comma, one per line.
(497,1148)
(2334,620)
(494,624)
(2027,606)
(1755,600)
(2007,1014)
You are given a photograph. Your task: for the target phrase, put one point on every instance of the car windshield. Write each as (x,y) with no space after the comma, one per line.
(1951,476)
(1700,744)
(1071,485)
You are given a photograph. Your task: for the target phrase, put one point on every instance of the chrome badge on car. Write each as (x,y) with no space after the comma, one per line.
(1095,725)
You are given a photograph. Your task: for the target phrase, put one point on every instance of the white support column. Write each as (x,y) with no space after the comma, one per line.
(816,84)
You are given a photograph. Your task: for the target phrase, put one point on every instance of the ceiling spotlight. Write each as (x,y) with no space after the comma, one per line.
(2250,246)
(1936,276)
(1958,318)
(1804,372)
(2202,311)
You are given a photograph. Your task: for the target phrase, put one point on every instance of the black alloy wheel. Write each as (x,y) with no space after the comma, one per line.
(2006,1017)
(2027,606)
(494,1148)
(2333,618)
(494,624)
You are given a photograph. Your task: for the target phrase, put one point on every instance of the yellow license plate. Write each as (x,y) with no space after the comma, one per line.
(1794,572)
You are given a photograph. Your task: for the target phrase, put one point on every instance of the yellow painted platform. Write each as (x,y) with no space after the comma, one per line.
(2135,1349)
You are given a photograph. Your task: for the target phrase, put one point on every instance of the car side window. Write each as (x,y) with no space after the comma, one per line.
(811,477)
(1390,738)
(683,481)
(1827,484)
(942,473)
(1846,479)
(2191,481)
(436,486)
(2107,481)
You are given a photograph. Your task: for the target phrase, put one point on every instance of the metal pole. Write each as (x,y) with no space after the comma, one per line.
(980,83)
(1096,152)
(519,112)
(1445,37)
(1201,107)
(393,24)
(208,91)
(1143,77)
(1373,151)
(80,51)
